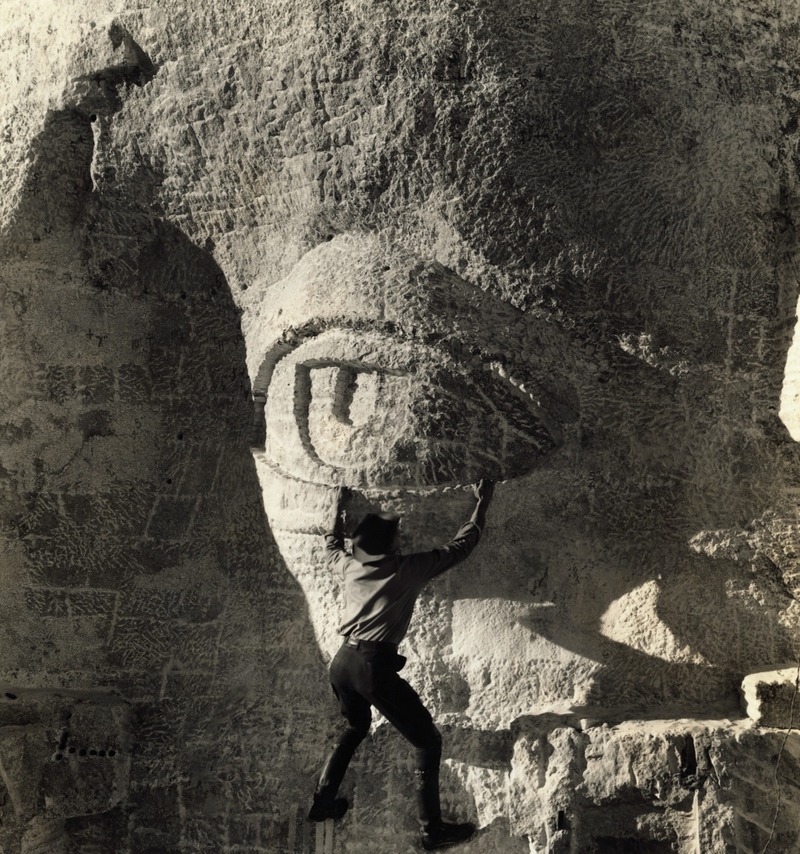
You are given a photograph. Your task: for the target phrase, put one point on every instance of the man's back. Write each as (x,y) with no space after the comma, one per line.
(379,596)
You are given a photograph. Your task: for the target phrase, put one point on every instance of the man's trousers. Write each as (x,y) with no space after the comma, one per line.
(365,674)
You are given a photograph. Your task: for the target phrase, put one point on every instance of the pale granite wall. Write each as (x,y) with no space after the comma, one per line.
(254,250)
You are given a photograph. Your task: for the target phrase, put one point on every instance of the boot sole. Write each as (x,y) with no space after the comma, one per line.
(434,846)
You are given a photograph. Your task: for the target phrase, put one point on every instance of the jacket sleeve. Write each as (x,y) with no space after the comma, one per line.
(439,560)
(334,548)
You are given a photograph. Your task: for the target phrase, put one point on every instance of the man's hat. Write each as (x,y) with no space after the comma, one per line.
(374,536)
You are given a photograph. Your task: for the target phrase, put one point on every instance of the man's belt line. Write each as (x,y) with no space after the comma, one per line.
(383,646)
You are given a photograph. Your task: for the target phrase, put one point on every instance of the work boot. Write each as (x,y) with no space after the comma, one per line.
(324,808)
(441,833)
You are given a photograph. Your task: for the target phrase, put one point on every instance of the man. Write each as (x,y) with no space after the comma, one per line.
(381,587)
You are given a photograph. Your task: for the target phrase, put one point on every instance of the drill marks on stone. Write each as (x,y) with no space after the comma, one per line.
(11,788)
(184,381)
(294,817)
(65,756)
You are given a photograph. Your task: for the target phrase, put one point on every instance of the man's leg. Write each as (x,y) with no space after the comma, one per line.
(355,709)
(400,704)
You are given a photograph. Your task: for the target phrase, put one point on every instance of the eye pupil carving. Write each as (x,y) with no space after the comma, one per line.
(342,410)
(356,391)
(343,394)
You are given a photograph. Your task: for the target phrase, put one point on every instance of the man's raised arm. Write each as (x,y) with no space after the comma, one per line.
(334,538)
(483,491)
(459,548)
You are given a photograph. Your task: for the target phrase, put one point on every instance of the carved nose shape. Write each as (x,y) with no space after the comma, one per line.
(393,378)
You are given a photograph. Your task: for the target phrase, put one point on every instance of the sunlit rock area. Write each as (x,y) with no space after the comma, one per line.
(254,251)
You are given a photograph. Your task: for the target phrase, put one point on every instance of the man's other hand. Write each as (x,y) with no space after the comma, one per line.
(483,490)
(342,496)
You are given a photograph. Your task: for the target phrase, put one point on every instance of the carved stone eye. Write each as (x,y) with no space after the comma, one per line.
(374,369)
(370,410)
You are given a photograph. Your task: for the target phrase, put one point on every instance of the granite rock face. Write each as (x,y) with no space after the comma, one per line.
(253,251)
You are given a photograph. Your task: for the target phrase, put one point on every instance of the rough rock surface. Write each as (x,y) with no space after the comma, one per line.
(397,244)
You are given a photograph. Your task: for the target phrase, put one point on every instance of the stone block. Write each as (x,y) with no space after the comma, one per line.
(16,711)
(244,831)
(195,685)
(65,757)
(92,603)
(110,570)
(161,605)
(205,833)
(200,471)
(199,646)
(771,697)
(134,384)
(155,805)
(80,509)
(96,422)
(61,381)
(129,510)
(157,726)
(139,643)
(147,840)
(152,557)
(46,603)
(54,564)
(105,833)
(96,384)
(42,517)
(200,609)
(171,518)
(164,372)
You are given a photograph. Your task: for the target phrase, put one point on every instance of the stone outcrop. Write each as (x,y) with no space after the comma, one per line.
(250,252)
(770,697)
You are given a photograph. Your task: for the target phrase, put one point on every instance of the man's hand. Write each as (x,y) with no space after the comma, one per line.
(483,490)
(342,495)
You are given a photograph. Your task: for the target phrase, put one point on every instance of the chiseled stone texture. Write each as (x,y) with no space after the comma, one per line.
(64,755)
(578,216)
(673,786)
